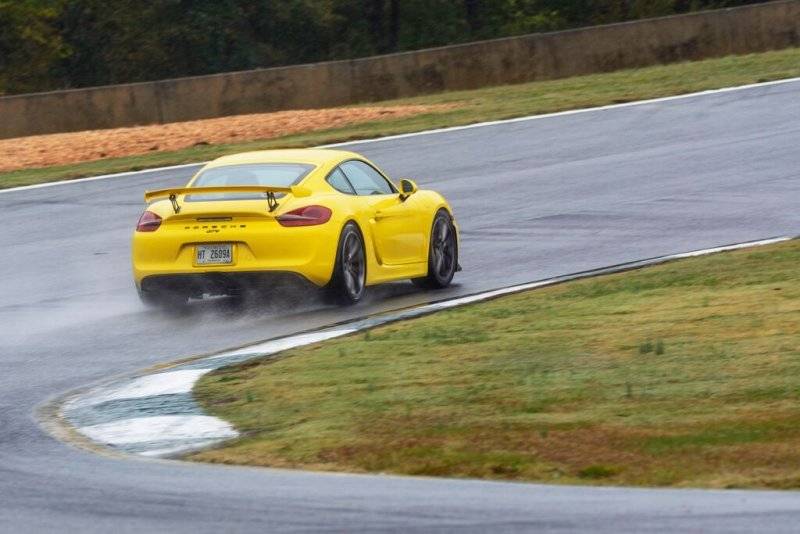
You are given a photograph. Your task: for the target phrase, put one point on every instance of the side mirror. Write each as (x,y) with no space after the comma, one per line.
(407,188)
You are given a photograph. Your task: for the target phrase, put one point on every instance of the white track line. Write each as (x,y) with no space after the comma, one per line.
(568,112)
(469,299)
(95,178)
(437,130)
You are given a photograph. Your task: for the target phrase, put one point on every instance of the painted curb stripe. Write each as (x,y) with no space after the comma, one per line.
(281,344)
(161,419)
(159,429)
(708,92)
(169,383)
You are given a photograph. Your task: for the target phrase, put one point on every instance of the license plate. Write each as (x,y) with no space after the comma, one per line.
(213,254)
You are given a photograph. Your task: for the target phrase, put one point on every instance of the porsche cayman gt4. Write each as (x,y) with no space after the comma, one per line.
(327,217)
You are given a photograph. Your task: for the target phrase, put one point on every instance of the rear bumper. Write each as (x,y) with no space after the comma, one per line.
(222,283)
(262,247)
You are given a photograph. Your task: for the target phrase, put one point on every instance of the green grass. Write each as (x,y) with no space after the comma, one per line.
(684,374)
(476,106)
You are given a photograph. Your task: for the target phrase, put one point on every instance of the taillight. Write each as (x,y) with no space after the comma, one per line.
(307,216)
(148,222)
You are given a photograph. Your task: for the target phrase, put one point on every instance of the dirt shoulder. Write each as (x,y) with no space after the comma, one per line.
(75,147)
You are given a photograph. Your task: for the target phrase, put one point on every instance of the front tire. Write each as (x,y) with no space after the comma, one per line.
(348,283)
(442,253)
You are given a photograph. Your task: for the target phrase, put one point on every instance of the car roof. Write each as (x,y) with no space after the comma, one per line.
(313,156)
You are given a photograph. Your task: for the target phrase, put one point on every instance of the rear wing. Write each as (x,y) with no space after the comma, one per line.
(172,194)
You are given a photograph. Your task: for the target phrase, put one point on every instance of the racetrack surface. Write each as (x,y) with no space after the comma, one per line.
(534,199)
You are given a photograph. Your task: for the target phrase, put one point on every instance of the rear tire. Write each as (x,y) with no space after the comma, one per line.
(442,253)
(348,283)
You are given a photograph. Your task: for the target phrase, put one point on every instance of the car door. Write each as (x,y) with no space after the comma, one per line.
(397,226)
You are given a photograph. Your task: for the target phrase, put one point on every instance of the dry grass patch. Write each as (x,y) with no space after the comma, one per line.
(684,374)
(76,147)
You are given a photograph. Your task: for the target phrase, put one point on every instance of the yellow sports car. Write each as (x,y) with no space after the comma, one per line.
(328,217)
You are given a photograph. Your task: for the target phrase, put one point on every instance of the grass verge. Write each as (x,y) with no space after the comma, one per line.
(684,374)
(475,106)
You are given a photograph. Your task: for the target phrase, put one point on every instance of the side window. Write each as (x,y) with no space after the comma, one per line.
(339,182)
(366,180)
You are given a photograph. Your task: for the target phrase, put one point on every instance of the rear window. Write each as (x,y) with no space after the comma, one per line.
(275,174)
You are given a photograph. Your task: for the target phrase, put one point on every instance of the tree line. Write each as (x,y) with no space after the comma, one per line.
(56,44)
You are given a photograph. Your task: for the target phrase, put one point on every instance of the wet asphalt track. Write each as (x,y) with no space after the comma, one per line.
(534,199)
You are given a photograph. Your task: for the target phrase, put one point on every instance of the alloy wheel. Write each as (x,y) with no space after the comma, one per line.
(353,265)
(443,249)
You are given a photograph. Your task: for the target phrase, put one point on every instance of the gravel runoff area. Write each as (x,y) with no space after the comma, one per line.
(75,147)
